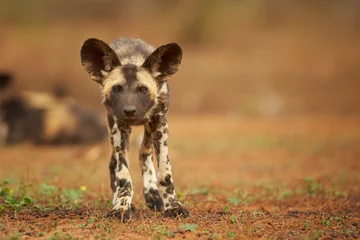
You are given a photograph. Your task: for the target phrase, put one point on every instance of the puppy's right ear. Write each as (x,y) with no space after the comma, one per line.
(97,57)
(5,80)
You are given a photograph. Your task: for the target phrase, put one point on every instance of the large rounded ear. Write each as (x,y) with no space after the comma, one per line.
(164,61)
(96,57)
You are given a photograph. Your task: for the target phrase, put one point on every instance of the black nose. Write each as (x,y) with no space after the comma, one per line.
(129,111)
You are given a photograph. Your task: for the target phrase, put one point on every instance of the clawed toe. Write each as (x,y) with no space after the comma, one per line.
(121,214)
(176,212)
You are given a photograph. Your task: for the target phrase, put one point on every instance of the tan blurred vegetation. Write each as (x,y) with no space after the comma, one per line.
(253,57)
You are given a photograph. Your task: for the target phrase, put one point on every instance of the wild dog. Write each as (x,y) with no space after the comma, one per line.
(45,118)
(133,77)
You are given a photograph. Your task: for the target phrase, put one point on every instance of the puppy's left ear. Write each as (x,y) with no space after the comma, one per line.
(164,61)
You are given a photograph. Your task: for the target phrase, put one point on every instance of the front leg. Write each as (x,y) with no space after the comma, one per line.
(151,192)
(120,178)
(165,184)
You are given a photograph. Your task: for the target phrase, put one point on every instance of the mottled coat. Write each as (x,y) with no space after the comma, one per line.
(134,86)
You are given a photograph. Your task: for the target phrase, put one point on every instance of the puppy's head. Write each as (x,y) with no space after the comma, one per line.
(130,91)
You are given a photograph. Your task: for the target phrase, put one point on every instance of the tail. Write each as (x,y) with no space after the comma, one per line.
(5,80)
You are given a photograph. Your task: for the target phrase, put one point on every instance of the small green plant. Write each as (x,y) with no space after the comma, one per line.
(48,190)
(215,236)
(189,227)
(14,236)
(161,230)
(201,191)
(317,234)
(327,221)
(16,205)
(82,225)
(285,194)
(226,209)
(91,220)
(5,191)
(312,186)
(234,200)
(340,194)
(307,225)
(231,235)
(56,236)
(180,195)
(233,219)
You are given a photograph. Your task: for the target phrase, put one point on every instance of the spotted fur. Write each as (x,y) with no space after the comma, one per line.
(134,86)
(45,118)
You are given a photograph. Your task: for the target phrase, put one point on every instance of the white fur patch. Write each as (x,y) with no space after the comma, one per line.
(149,179)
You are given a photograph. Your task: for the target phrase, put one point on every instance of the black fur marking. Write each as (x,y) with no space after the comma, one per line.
(123,162)
(147,139)
(125,188)
(159,135)
(122,182)
(129,70)
(157,150)
(168,184)
(165,195)
(112,167)
(123,140)
(113,131)
(144,156)
(162,106)
(153,200)
(111,121)
(165,131)
(117,149)
(165,143)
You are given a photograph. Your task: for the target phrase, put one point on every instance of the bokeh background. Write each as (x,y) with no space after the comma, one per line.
(248,57)
(264,119)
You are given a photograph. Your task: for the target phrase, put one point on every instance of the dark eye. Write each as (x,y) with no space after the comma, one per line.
(116,88)
(143,89)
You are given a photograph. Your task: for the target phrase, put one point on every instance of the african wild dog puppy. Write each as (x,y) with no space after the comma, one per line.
(43,118)
(134,85)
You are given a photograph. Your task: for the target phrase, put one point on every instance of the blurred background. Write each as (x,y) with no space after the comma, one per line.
(265,112)
(246,57)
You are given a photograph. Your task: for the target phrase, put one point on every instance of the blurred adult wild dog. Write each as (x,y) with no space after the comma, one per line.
(45,118)
(133,77)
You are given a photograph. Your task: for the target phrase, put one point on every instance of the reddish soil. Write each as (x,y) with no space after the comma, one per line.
(239,177)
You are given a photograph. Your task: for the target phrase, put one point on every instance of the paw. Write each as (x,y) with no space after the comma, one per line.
(122,214)
(175,212)
(153,200)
